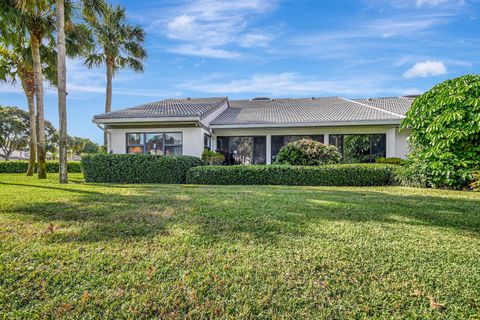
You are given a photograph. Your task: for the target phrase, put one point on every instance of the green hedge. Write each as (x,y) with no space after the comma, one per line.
(22,166)
(137,168)
(392,160)
(326,175)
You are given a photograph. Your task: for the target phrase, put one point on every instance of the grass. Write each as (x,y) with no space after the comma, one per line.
(173,251)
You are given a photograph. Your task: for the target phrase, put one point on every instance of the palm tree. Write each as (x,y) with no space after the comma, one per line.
(36,17)
(90,7)
(32,17)
(119,45)
(16,64)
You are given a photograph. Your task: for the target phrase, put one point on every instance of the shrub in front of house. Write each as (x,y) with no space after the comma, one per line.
(326,175)
(392,160)
(212,158)
(475,184)
(22,166)
(137,168)
(445,133)
(307,152)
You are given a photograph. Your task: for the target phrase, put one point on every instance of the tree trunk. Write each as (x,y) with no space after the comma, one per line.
(62,91)
(37,67)
(108,99)
(33,132)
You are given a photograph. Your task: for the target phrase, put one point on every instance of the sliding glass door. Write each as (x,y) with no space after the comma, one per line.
(278,142)
(243,150)
(356,148)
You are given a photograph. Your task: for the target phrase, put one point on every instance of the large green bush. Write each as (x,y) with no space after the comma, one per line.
(327,175)
(307,152)
(52,166)
(137,168)
(445,138)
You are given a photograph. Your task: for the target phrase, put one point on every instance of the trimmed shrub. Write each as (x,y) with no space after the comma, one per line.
(396,161)
(327,175)
(307,152)
(52,166)
(211,158)
(137,168)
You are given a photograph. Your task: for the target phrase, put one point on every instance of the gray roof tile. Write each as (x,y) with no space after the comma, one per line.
(274,111)
(311,110)
(398,105)
(186,107)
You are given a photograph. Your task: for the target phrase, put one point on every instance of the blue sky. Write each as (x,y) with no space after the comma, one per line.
(279,48)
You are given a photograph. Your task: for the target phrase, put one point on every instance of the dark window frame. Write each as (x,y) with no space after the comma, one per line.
(370,141)
(144,145)
(209,141)
(304,136)
(243,136)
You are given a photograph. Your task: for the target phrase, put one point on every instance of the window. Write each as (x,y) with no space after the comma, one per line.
(207,141)
(278,142)
(356,148)
(155,143)
(243,150)
(135,143)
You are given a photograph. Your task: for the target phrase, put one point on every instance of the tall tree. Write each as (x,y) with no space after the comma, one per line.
(16,64)
(13,130)
(36,16)
(119,45)
(89,8)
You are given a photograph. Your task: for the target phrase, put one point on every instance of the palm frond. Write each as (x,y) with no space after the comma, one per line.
(94,60)
(116,40)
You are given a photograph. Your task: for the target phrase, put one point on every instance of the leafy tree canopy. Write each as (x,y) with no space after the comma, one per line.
(445,138)
(14,124)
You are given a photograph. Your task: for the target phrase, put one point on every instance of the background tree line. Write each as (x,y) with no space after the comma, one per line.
(36,37)
(14,136)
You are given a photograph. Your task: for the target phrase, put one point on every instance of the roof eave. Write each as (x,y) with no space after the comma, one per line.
(147,120)
(310,124)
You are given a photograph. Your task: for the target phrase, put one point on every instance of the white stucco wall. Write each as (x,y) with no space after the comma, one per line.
(192,144)
(401,143)
(396,144)
(396,140)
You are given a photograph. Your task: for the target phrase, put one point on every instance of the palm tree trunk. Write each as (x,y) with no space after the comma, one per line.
(62,91)
(27,77)
(33,132)
(108,99)
(37,67)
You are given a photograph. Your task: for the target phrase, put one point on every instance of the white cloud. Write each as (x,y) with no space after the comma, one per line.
(426,69)
(429,3)
(255,40)
(11,88)
(209,28)
(191,50)
(407,4)
(291,84)
(367,37)
(412,91)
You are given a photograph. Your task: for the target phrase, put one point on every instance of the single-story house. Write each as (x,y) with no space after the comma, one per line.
(253,131)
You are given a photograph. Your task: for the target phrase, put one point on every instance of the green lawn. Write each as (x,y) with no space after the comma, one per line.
(173,251)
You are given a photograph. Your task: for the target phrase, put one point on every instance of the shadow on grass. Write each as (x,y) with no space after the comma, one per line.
(233,213)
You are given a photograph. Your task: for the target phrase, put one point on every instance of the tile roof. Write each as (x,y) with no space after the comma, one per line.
(398,105)
(307,110)
(271,111)
(186,107)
